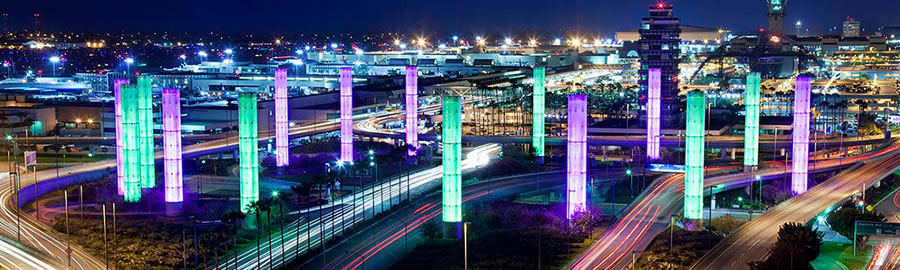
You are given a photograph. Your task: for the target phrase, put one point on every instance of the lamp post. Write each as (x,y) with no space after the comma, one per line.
(7,66)
(202,55)
(183,59)
(54,60)
(128,62)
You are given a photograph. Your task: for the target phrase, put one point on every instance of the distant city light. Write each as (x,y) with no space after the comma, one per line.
(306,48)
(202,53)
(507,41)
(129,60)
(334,45)
(54,59)
(442,46)
(477,37)
(402,45)
(227,61)
(358,63)
(359,52)
(228,51)
(557,42)
(296,62)
(532,42)
(455,38)
(298,51)
(182,57)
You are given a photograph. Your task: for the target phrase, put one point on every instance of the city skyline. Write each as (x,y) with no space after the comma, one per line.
(413,17)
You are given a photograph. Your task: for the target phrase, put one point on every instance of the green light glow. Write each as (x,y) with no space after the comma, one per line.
(751,124)
(248,134)
(537,122)
(131,161)
(145,132)
(451,138)
(693,162)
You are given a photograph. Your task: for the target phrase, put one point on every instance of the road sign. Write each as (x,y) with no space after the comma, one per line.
(873,228)
(30,158)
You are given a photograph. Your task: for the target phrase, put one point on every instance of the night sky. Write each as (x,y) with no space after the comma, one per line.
(463,17)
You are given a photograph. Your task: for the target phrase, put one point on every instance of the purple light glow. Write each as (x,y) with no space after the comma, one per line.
(120,154)
(171,111)
(800,160)
(576,163)
(653,92)
(346,114)
(412,109)
(281,118)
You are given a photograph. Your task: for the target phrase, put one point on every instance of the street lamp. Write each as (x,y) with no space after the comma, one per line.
(128,62)
(183,59)
(202,55)
(229,51)
(7,66)
(54,60)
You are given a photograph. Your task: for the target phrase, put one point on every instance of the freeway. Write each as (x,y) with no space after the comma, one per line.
(377,247)
(14,255)
(752,240)
(373,126)
(649,215)
(324,222)
(40,236)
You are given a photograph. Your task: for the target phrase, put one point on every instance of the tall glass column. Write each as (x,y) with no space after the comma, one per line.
(576,163)
(171,112)
(654,79)
(694,154)
(751,122)
(120,154)
(537,113)
(248,148)
(800,160)
(412,109)
(346,114)
(451,138)
(130,144)
(145,128)
(282,153)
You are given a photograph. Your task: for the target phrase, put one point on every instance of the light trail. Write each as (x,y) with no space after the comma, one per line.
(349,210)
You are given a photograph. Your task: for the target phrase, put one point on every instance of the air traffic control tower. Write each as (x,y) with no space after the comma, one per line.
(776,16)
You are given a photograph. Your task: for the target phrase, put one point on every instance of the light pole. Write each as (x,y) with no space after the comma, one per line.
(54,60)
(128,62)
(466,245)
(7,66)
(202,55)
(183,59)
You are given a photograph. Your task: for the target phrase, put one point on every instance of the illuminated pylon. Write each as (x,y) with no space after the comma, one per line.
(171,116)
(800,160)
(576,160)
(282,153)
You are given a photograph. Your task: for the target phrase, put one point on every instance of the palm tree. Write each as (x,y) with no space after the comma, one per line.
(298,191)
(233,217)
(265,205)
(254,207)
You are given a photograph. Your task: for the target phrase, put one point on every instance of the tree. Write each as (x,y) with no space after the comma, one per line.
(797,245)
(842,222)
(233,217)
(726,224)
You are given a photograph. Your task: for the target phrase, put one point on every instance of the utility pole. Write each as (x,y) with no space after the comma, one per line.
(68,241)
(105,243)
